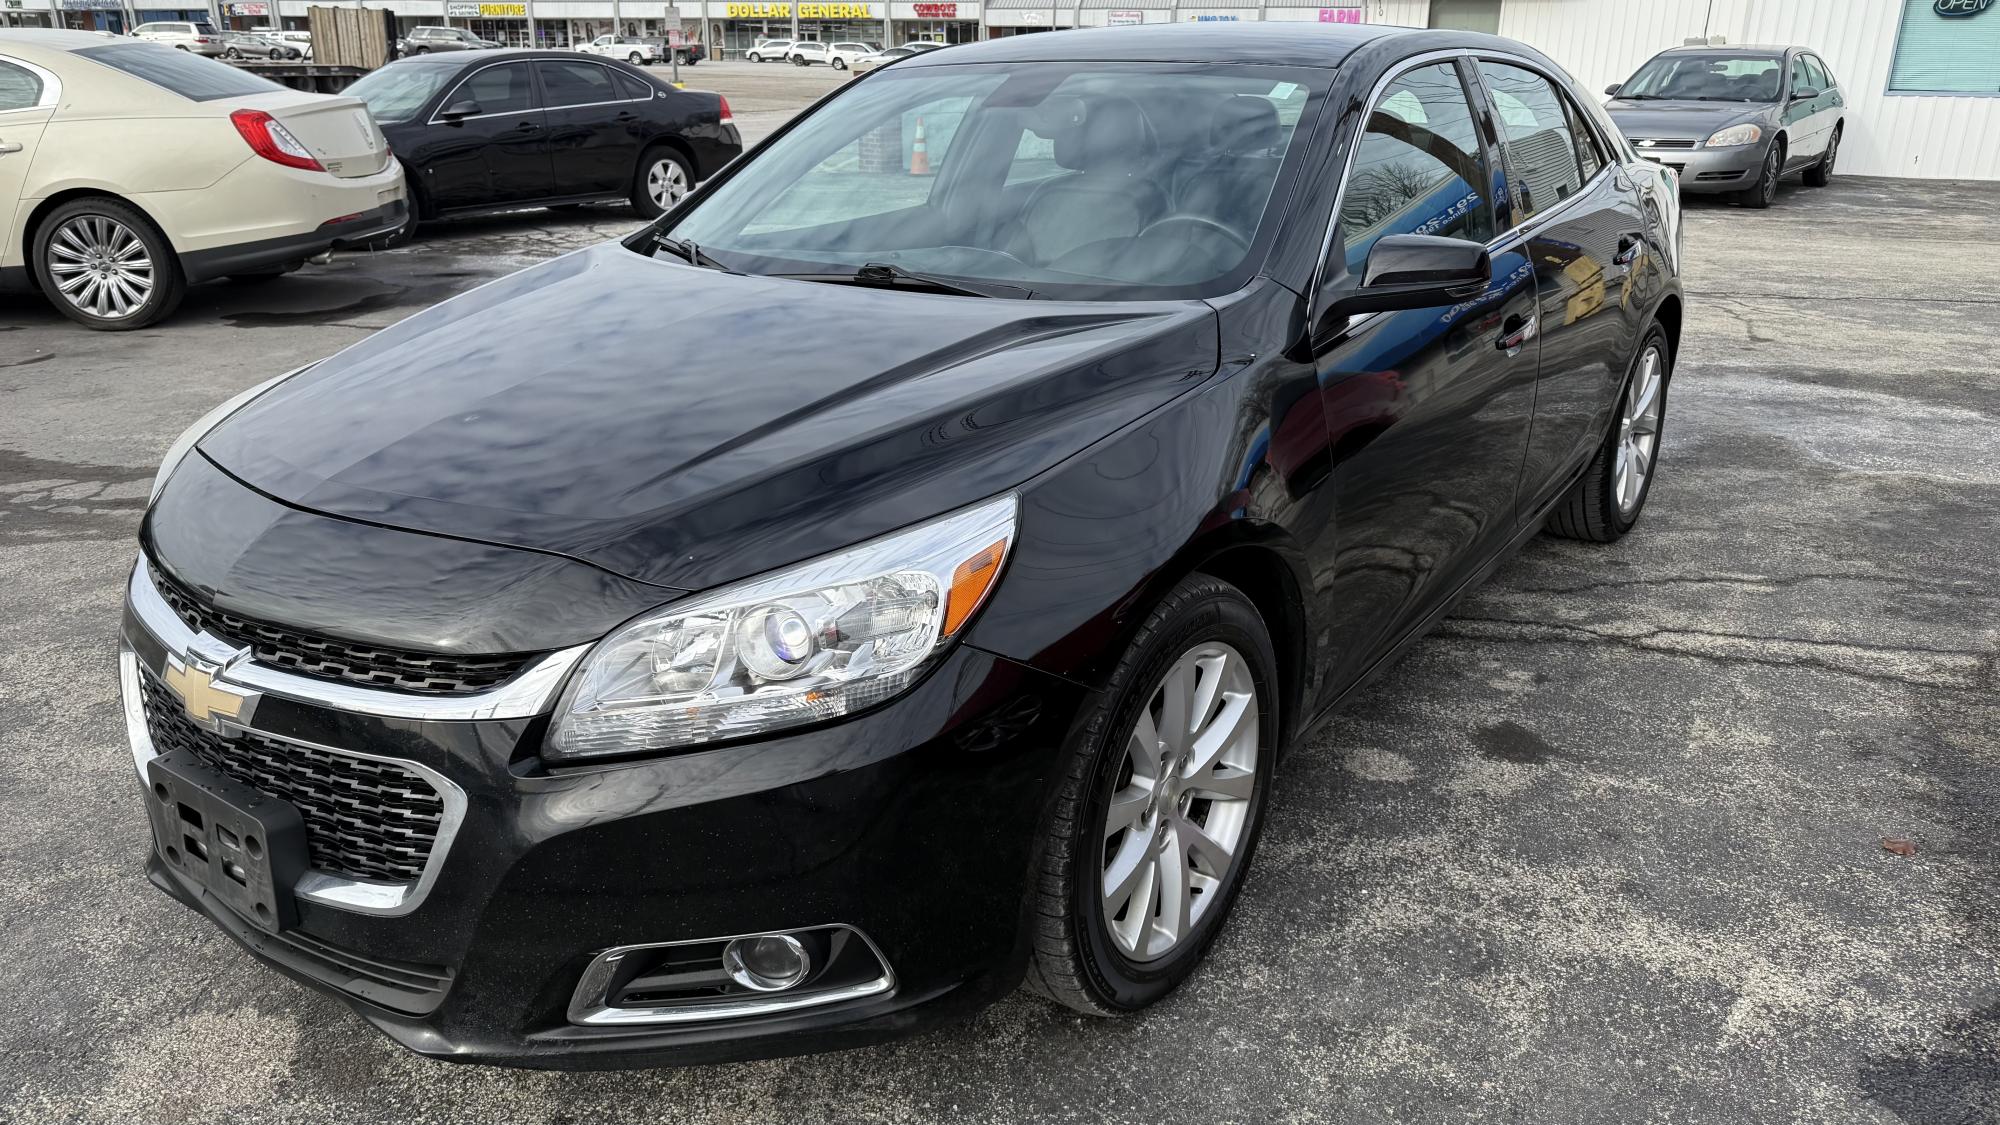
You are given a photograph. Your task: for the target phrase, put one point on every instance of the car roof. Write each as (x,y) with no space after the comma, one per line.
(49,39)
(1281,44)
(466,58)
(1736,49)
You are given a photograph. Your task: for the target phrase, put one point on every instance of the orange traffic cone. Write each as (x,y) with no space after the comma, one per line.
(920,156)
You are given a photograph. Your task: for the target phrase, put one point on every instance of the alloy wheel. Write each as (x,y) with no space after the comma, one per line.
(666,183)
(1832,150)
(1180,805)
(1639,431)
(100,266)
(1769,184)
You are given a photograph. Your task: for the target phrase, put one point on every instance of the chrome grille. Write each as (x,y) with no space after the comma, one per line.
(365,819)
(325,658)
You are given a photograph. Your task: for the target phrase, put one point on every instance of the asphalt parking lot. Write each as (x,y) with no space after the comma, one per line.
(1608,847)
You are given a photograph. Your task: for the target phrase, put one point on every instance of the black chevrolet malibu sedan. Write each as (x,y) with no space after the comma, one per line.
(557,702)
(483,131)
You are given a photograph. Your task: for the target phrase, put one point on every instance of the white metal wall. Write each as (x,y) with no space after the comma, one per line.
(1603,41)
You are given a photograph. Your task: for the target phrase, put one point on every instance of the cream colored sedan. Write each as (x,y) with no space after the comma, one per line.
(129,170)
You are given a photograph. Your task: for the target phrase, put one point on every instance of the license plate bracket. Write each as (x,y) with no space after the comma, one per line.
(245,847)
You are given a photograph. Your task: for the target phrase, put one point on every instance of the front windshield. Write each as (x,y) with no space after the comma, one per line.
(1708,78)
(1085,180)
(398,91)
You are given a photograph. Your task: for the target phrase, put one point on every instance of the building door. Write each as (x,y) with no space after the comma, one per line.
(1467,15)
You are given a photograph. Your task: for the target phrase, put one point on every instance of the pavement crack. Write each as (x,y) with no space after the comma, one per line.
(1910,666)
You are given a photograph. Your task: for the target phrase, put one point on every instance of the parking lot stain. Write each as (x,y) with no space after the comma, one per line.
(43,358)
(1509,741)
(284,318)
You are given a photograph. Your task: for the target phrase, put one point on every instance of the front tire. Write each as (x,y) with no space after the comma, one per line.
(1764,192)
(1603,506)
(1160,804)
(755,57)
(105,266)
(840,64)
(663,179)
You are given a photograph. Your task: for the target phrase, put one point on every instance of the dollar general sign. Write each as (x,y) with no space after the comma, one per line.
(806,11)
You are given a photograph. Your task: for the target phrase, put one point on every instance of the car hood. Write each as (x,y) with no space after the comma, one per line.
(685,427)
(1678,120)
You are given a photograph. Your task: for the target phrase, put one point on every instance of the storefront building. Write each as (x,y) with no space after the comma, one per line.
(27,13)
(1921,77)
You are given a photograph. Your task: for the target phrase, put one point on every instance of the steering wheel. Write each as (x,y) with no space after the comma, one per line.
(1203,221)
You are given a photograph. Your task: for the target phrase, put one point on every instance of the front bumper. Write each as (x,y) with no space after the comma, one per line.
(1704,170)
(914,824)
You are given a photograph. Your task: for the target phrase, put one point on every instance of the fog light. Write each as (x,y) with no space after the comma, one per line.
(771,963)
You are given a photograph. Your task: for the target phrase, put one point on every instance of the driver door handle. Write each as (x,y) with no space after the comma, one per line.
(1517,330)
(1628,249)
(7,147)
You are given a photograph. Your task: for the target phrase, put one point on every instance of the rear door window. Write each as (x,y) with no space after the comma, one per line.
(194,77)
(19,88)
(1542,155)
(575,83)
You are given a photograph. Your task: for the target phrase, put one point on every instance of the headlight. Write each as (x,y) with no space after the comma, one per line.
(1744,134)
(178,451)
(811,642)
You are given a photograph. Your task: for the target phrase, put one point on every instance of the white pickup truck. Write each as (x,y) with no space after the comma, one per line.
(631,48)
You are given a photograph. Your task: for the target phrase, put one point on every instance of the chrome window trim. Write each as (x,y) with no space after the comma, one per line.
(532,691)
(589,1007)
(1514,233)
(361,896)
(51,85)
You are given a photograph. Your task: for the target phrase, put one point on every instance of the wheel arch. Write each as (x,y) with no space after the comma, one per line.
(1668,314)
(680,147)
(42,210)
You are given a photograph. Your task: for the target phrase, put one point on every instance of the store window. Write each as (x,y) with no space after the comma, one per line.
(1947,47)
(1419,168)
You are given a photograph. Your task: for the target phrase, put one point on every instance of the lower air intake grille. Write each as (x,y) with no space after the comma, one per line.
(364,819)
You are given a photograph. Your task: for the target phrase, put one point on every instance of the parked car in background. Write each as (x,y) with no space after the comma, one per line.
(198,38)
(246,45)
(129,171)
(808,52)
(631,48)
(427,40)
(302,41)
(517,128)
(684,52)
(843,56)
(1734,119)
(769,50)
(866,63)
(678,703)
(922,45)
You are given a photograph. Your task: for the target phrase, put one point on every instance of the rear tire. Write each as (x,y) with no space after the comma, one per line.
(1606,502)
(1821,174)
(636,59)
(120,272)
(663,179)
(1176,833)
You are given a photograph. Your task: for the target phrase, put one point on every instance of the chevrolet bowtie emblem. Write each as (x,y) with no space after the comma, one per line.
(207,701)
(1646,144)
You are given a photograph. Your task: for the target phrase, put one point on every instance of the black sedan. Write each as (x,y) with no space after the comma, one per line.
(495,130)
(560,700)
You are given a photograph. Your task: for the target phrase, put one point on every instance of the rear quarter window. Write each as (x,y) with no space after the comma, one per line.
(192,76)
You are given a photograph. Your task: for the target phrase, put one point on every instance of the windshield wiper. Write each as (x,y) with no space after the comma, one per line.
(694,255)
(883,275)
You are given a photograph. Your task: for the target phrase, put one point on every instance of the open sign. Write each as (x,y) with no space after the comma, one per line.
(1960,9)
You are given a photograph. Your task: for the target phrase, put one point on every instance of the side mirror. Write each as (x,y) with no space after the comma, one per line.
(459,111)
(1804,93)
(1412,271)
(1614,88)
